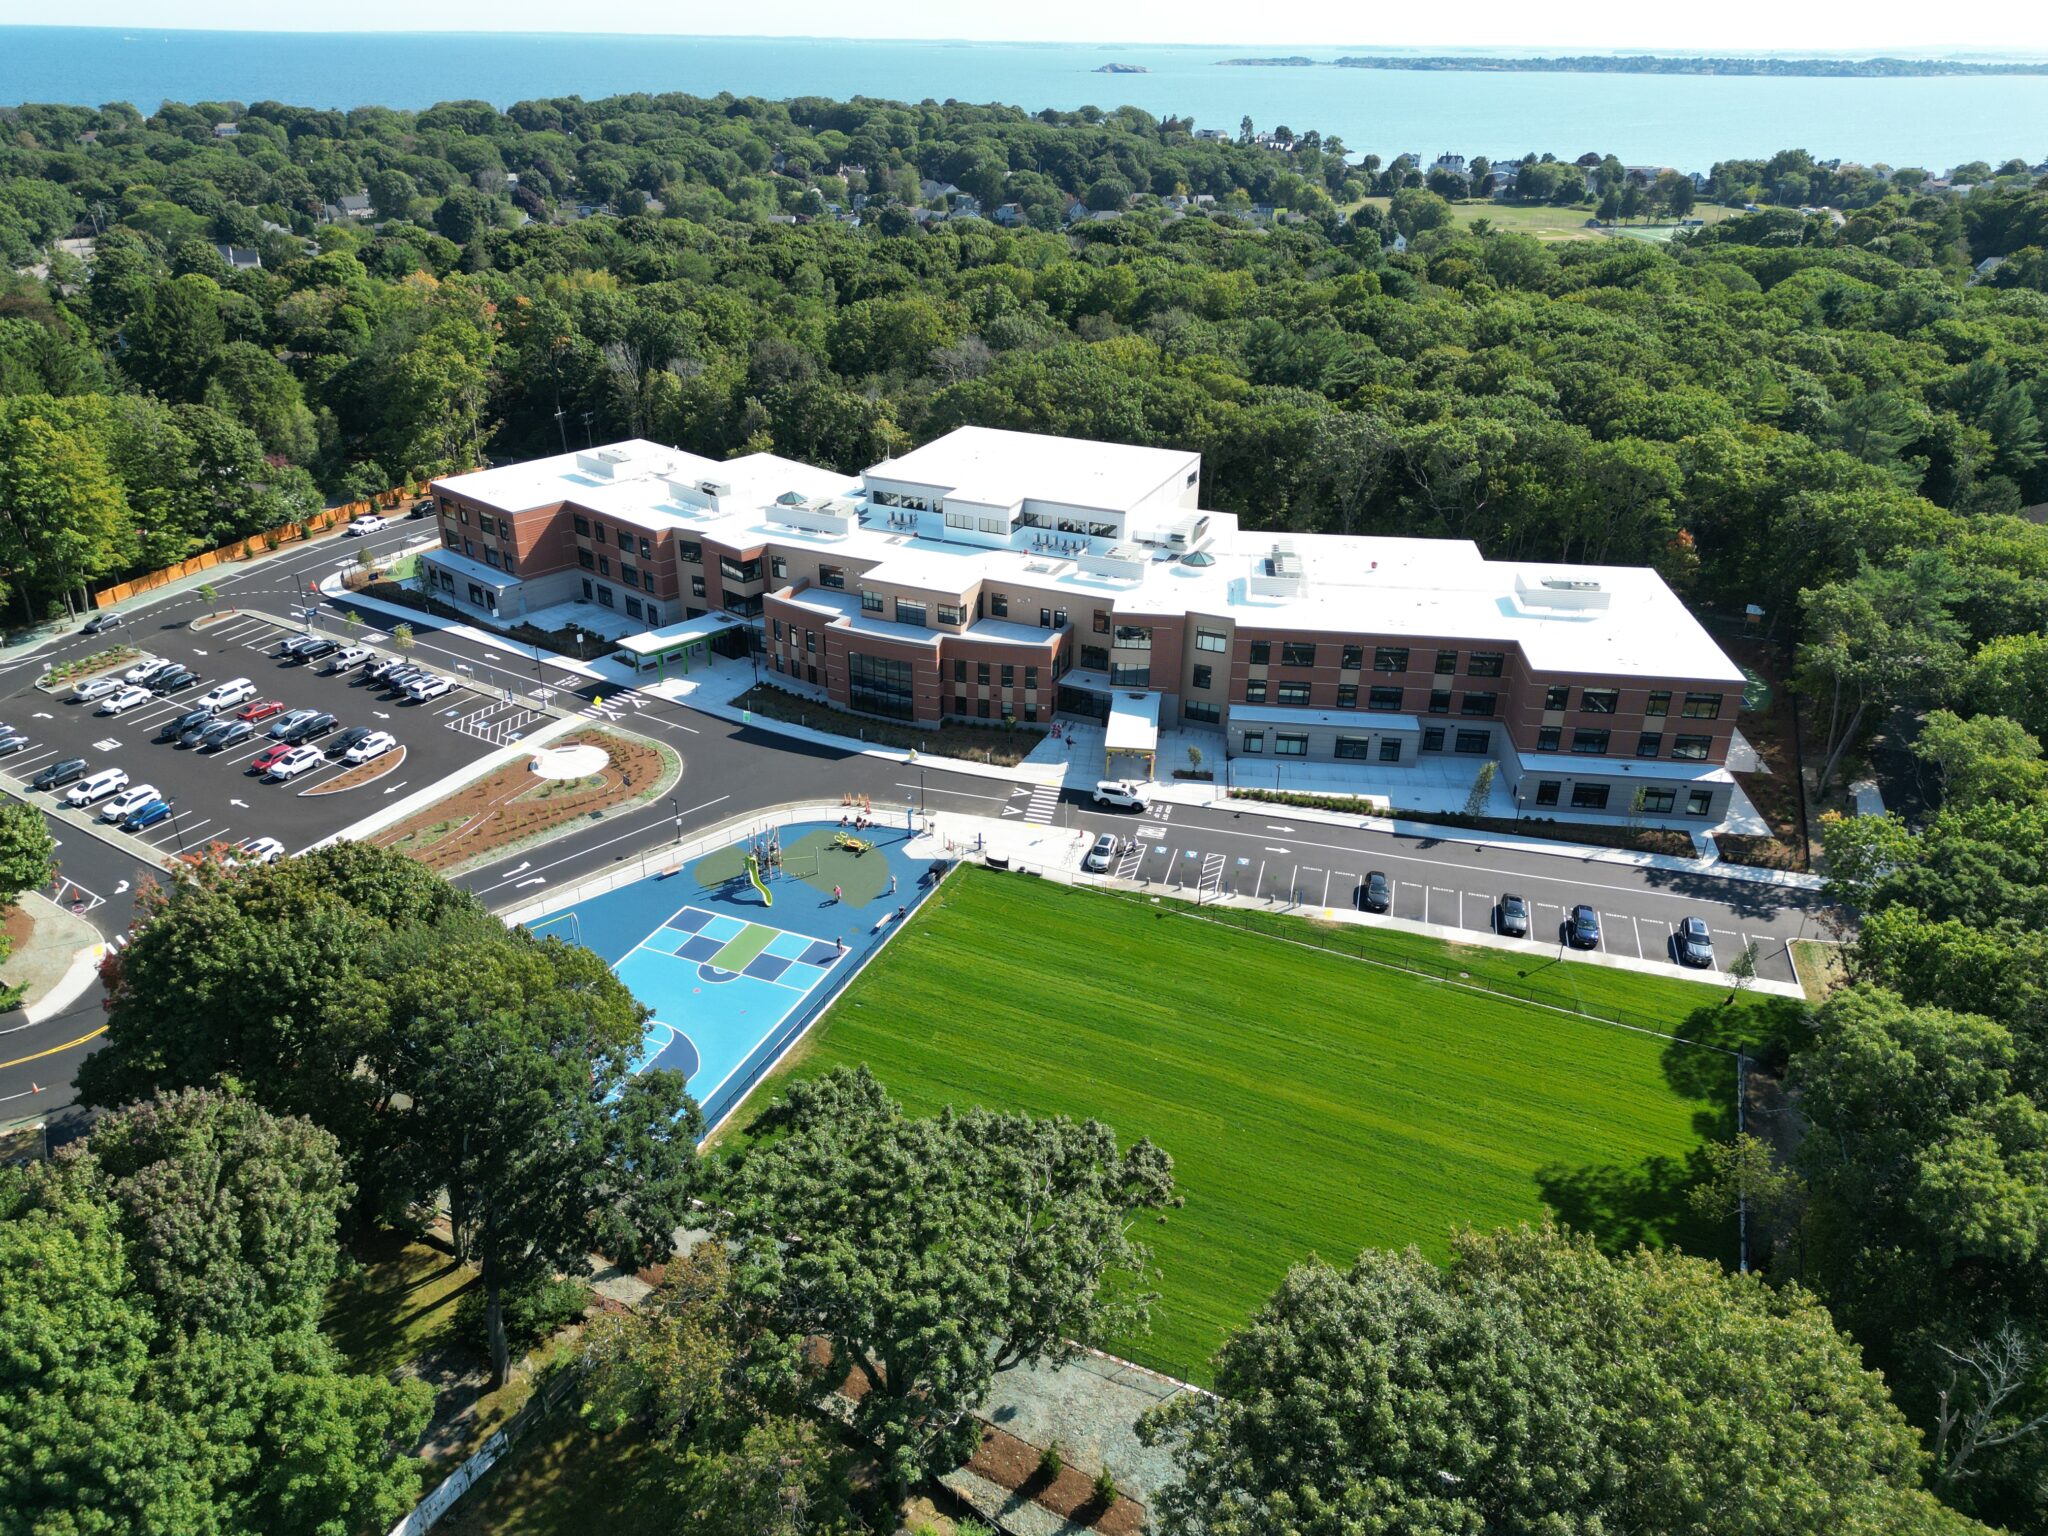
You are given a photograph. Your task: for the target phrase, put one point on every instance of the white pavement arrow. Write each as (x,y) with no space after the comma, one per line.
(1011,810)
(524,866)
(123,886)
(536,880)
(380,714)
(1018,791)
(242,803)
(42,714)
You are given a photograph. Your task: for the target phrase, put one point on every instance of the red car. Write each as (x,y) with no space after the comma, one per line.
(262,761)
(262,709)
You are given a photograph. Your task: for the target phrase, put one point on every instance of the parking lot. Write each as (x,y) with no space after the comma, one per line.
(1309,867)
(218,797)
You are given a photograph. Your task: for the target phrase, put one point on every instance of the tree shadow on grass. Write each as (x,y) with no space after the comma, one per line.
(1622,1205)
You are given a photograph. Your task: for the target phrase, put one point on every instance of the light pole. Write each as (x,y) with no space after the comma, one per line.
(673,811)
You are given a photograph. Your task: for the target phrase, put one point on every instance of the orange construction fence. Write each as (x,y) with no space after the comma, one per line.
(254,544)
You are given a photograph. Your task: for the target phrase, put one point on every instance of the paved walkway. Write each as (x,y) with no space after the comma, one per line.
(57,965)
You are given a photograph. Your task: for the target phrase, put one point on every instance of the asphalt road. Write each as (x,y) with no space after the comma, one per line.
(729,769)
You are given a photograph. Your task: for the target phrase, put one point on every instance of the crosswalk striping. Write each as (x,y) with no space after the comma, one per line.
(1045,800)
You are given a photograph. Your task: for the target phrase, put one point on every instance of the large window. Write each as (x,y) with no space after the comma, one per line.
(910,613)
(880,685)
(1200,713)
(1439,701)
(1130,675)
(833,576)
(1385,700)
(1254,742)
(873,602)
(1255,691)
(1590,743)
(952,613)
(1477,704)
(1353,658)
(1356,748)
(1133,637)
(1691,748)
(740,570)
(778,567)
(1472,742)
(1547,791)
(1650,744)
(1699,802)
(1558,697)
(1659,703)
(1094,658)
(689,551)
(1297,653)
(1433,739)
(1290,744)
(1657,802)
(1390,658)
(1548,739)
(1211,640)
(586,559)
(1598,701)
(999,605)
(1204,676)
(1589,797)
(1295,694)
(1101,621)
(1261,653)
(1703,706)
(1347,695)
(582,524)
(1390,749)
(1485,664)
(1446,663)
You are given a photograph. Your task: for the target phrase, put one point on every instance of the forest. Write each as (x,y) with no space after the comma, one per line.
(220,316)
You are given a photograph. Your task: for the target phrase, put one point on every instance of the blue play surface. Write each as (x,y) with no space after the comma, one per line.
(731,981)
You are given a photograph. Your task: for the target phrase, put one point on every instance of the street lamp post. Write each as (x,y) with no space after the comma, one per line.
(678,815)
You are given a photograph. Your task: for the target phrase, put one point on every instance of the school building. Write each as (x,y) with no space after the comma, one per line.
(994,575)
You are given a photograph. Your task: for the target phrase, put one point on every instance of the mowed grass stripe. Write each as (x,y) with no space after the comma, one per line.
(743,946)
(1311,1103)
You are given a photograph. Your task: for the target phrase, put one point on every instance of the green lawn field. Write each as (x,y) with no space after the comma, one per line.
(1548,223)
(1311,1103)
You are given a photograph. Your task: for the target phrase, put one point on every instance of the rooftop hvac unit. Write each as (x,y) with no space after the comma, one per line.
(1189,533)
(715,487)
(1284,561)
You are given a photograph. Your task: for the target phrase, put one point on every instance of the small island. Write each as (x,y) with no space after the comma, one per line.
(1293,61)
(1121,69)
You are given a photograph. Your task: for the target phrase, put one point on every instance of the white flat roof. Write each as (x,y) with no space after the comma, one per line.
(475,570)
(1565,764)
(990,464)
(1358,719)
(651,642)
(1133,722)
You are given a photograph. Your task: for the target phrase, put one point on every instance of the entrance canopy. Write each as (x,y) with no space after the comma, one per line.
(1133,723)
(652,643)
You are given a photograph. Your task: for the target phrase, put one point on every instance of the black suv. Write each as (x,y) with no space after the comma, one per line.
(319,648)
(347,739)
(178,725)
(307,730)
(1379,895)
(172,681)
(59,774)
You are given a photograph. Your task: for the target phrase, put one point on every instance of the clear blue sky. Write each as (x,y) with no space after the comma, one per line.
(1823,27)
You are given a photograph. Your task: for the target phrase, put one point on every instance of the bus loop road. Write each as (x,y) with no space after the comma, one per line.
(730,769)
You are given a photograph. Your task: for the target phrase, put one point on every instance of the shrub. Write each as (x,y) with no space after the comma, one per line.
(532,1313)
(1105,1488)
(1050,1462)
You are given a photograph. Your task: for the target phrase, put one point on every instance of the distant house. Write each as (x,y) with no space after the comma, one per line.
(350,205)
(1986,267)
(781,218)
(847,168)
(1212,135)
(1204,199)
(965,203)
(1399,244)
(227,130)
(1447,161)
(778,162)
(932,191)
(1104,216)
(240,257)
(1076,210)
(1010,215)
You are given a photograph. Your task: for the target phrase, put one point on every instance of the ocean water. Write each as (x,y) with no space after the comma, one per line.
(1686,121)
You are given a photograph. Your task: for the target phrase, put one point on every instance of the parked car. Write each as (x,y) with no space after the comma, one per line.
(146,668)
(256,850)
(421,689)
(368,523)
(380,671)
(11,740)
(173,681)
(66,771)
(174,727)
(120,703)
(1379,893)
(398,679)
(284,722)
(148,814)
(373,745)
(296,761)
(261,709)
(95,787)
(223,734)
(344,740)
(1511,918)
(236,690)
(97,688)
(1694,943)
(1122,794)
(422,508)
(99,624)
(306,730)
(347,658)
(321,646)
(196,732)
(1584,929)
(127,802)
(291,645)
(1102,855)
(260,763)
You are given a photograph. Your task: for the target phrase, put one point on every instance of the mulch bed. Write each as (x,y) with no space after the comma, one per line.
(1013,1464)
(1763,852)
(506,807)
(17,923)
(361,774)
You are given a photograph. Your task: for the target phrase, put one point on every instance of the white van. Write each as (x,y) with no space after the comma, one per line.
(95,787)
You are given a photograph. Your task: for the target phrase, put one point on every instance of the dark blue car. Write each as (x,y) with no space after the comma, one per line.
(1584,932)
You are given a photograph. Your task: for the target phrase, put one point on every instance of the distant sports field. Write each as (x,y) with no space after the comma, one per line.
(1311,1103)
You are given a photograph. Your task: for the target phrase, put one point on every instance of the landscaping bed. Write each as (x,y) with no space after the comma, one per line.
(361,774)
(1022,1468)
(1635,839)
(77,670)
(1004,745)
(511,805)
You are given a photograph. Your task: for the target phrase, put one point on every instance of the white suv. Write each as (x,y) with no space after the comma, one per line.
(295,762)
(1124,794)
(226,695)
(97,786)
(132,799)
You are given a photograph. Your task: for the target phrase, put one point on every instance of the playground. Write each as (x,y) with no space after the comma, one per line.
(737,952)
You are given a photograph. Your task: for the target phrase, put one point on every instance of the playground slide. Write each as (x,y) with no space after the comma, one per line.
(754,877)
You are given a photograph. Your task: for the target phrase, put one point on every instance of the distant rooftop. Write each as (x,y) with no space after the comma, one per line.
(989,464)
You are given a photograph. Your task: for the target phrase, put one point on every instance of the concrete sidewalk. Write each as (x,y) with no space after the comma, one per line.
(58,965)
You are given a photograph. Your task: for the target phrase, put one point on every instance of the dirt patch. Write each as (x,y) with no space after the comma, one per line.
(361,774)
(1764,852)
(1015,1464)
(18,923)
(511,805)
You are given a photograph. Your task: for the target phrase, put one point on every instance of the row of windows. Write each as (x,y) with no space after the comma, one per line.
(597,534)
(981,673)
(1295,744)
(1588,741)
(1654,802)
(1385,658)
(968,522)
(1603,701)
(983,708)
